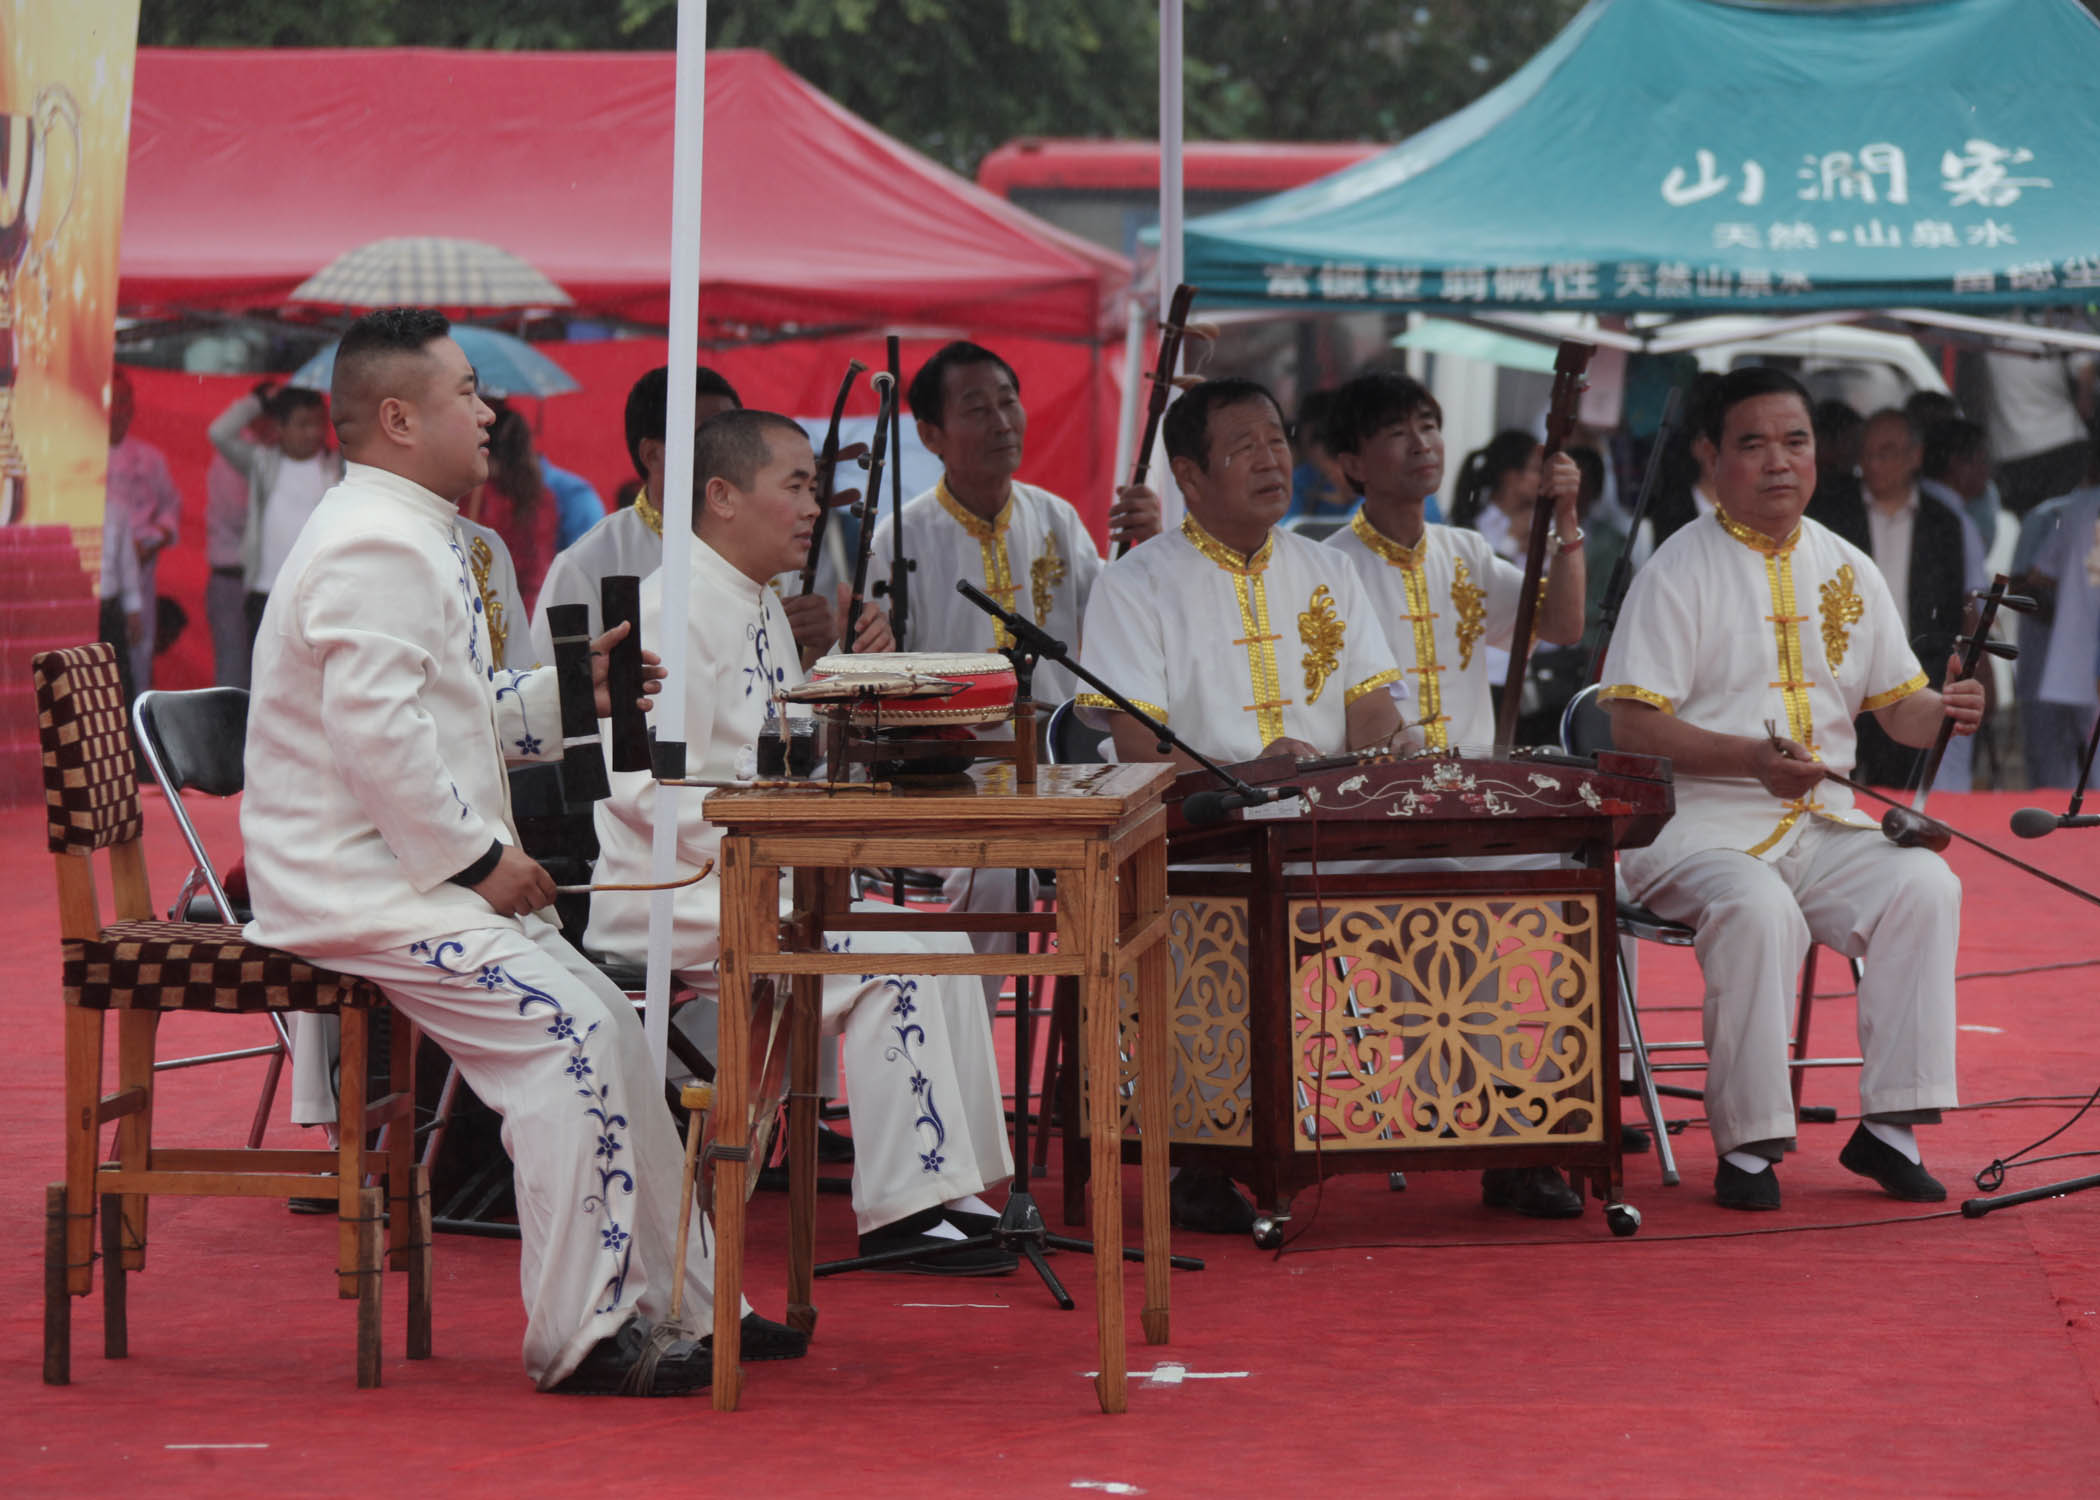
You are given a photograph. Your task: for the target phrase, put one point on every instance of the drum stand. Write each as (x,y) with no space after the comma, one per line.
(1020,1230)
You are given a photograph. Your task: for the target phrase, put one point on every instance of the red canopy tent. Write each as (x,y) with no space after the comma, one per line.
(252,169)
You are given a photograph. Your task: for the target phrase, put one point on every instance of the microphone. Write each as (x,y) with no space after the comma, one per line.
(1204,808)
(2035,822)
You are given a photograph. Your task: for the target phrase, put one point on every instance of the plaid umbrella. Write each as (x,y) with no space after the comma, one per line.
(429,271)
(506,365)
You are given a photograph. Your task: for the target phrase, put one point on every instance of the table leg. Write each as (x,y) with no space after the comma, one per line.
(1086,919)
(1147,875)
(740,894)
(816,893)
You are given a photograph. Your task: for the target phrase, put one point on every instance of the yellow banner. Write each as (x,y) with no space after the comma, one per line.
(65,136)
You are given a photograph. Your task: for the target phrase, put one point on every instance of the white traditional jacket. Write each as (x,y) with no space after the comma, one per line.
(379,728)
(740,652)
(1733,632)
(629,541)
(1035,557)
(1236,652)
(1443,602)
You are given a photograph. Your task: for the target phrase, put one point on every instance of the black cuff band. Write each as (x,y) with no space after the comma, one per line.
(480,870)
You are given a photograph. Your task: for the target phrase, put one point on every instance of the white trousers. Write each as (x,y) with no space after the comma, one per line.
(1896,910)
(983,891)
(550,1045)
(922,1079)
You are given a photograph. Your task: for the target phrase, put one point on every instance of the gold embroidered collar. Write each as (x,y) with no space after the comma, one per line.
(1224,556)
(977,526)
(1754,539)
(1399,554)
(648,512)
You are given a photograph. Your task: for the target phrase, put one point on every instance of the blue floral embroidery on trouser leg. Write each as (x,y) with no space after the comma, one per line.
(903,1003)
(613,1236)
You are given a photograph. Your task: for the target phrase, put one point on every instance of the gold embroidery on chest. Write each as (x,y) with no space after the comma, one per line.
(1321,630)
(1044,575)
(1469,604)
(1842,608)
(484,558)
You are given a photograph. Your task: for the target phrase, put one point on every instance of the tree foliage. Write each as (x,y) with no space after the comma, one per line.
(957,77)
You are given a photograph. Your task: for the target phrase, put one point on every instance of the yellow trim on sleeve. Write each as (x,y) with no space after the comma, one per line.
(1371,685)
(1893,695)
(1632,694)
(1095,700)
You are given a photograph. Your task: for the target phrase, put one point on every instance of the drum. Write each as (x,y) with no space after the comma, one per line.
(925,688)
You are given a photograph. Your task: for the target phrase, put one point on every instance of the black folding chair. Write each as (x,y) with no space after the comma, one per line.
(194,741)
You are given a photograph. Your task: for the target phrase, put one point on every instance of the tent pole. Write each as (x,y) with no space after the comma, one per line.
(689,117)
(1170,196)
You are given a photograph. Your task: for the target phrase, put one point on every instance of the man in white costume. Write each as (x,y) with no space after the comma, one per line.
(1747,647)
(317,1039)
(1022,545)
(1441,592)
(922,1080)
(1246,640)
(631,539)
(379,842)
(1444,595)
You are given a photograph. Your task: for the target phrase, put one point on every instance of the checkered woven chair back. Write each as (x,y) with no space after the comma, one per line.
(91,788)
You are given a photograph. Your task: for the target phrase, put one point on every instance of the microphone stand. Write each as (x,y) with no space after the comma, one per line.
(1021,1230)
(1976,1208)
(1038,642)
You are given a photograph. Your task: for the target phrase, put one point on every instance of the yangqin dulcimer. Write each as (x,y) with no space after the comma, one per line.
(1350,997)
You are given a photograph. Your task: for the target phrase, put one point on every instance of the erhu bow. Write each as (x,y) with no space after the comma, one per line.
(871,504)
(1171,332)
(1568,367)
(828,463)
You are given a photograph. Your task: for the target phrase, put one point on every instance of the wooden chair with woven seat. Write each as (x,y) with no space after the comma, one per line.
(141,968)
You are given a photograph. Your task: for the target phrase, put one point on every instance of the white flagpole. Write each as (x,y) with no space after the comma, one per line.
(1169,264)
(690,121)
(1170,17)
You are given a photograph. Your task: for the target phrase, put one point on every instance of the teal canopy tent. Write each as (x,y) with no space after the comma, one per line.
(1671,156)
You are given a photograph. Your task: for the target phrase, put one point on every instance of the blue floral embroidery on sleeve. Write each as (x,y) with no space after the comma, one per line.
(614,1237)
(527,742)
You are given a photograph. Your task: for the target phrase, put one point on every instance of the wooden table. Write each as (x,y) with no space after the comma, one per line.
(1101,829)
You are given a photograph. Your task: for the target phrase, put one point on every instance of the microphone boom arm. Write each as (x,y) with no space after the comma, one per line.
(1032,638)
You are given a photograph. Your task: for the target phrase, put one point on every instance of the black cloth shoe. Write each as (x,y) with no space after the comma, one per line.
(1535,1192)
(1735,1188)
(1900,1177)
(935,1256)
(1634,1139)
(1208,1203)
(760,1340)
(310,1205)
(631,1363)
(969,1221)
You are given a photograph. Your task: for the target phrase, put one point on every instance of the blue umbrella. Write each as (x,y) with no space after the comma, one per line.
(507,365)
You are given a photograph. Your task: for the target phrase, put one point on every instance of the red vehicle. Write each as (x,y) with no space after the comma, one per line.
(1108,191)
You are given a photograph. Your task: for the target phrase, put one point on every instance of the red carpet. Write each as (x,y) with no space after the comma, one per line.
(1410,1342)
